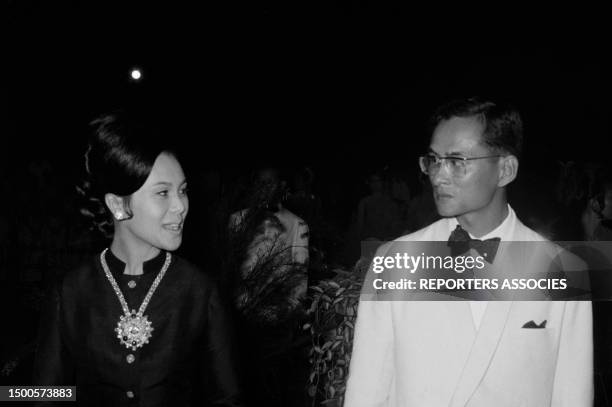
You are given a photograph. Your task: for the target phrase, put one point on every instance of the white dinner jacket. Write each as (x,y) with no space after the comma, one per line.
(429,353)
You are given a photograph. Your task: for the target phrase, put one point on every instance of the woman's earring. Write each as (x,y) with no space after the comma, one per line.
(119,216)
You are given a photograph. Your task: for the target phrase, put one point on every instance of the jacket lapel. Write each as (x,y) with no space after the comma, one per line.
(490,332)
(459,316)
(483,349)
(492,325)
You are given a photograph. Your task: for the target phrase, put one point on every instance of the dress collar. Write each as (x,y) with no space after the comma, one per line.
(117,267)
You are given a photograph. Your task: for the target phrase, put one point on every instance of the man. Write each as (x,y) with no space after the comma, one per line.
(462,353)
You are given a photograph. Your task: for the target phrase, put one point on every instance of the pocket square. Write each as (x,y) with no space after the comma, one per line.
(533,325)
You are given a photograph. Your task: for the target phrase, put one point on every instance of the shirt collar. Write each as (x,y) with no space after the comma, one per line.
(117,267)
(503,230)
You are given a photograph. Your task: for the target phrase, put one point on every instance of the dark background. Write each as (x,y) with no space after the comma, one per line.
(344,87)
(327,81)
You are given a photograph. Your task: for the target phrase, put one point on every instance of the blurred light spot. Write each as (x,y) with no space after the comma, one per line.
(136,74)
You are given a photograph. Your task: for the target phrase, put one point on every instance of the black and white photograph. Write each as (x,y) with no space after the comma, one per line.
(236,203)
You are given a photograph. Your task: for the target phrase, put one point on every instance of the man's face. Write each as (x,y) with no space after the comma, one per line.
(454,194)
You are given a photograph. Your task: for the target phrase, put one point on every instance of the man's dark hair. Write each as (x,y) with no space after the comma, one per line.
(503,130)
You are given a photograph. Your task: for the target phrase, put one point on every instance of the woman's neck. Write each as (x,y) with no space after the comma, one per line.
(132,254)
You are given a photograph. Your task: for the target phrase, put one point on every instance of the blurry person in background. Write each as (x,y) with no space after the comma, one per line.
(378,215)
(596,217)
(273,238)
(584,192)
(421,210)
(270,245)
(596,222)
(137,323)
(302,201)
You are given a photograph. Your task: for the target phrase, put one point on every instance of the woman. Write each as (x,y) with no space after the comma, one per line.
(137,324)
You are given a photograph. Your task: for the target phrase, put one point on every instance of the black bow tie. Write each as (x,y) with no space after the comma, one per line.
(460,242)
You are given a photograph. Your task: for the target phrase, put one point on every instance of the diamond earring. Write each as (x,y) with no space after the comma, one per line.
(119,216)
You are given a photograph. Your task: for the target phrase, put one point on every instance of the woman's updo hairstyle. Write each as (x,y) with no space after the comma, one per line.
(119,157)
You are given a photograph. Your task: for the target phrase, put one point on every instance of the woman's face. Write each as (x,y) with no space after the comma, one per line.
(160,206)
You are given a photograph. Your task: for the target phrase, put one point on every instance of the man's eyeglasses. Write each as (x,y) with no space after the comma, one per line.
(431,163)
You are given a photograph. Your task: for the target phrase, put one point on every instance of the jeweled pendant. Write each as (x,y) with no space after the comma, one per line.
(133,330)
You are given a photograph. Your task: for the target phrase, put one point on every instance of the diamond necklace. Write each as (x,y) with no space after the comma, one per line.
(134,328)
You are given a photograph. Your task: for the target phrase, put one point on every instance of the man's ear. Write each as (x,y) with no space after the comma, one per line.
(508,170)
(116,205)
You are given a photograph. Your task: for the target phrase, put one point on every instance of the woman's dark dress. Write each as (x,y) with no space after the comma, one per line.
(188,360)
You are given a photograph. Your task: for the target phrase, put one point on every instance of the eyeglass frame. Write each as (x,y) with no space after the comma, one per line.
(441,160)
